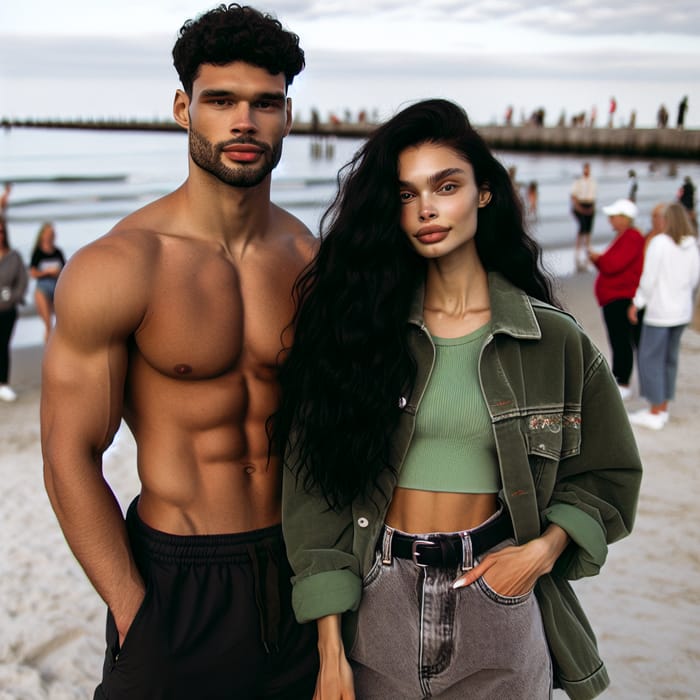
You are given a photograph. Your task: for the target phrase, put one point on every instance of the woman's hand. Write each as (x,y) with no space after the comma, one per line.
(335,675)
(513,571)
(632,314)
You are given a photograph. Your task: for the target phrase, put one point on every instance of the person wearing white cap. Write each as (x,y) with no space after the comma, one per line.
(671,273)
(619,270)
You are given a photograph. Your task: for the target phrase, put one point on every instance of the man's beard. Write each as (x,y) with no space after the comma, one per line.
(208,157)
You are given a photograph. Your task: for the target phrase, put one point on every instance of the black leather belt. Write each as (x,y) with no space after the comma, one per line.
(446,550)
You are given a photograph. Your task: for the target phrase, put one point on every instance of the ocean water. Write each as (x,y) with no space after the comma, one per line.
(85,181)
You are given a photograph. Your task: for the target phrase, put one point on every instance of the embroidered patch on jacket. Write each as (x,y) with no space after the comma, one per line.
(554,422)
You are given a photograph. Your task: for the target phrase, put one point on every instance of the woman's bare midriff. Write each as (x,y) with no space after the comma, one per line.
(420,512)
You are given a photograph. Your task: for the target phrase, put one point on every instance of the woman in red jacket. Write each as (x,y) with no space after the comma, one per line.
(619,270)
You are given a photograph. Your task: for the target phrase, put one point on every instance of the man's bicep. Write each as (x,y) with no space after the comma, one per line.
(83,369)
(81,395)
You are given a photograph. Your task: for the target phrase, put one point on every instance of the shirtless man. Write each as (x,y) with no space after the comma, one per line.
(173,321)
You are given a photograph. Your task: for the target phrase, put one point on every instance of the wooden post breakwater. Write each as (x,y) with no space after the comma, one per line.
(682,144)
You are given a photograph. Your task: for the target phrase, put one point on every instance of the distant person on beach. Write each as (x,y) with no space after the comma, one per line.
(45,267)
(662,117)
(671,274)
(611,112)
(686,196)
(13,285)
(173,321)
(457,448)
(532,196)
(633,184)
(658,223)
(619,270)
(682,109)
(5,198)
(583,196)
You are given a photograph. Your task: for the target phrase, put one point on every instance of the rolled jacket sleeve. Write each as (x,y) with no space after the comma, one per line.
(319,544)
(595,495)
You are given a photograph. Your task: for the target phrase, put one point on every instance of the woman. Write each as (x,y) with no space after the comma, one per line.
(447,435)
(13,285)
(619,270)
(670,275)
(45,267)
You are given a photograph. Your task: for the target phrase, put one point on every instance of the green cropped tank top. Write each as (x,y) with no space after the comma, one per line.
(453,447)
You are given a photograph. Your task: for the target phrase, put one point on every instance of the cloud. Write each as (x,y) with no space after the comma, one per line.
(601,18)
(553,18)
(567,17)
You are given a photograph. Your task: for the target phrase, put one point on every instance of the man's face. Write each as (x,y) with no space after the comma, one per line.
(239,115)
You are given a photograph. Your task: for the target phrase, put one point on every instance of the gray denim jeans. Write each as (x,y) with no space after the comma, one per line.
(417,637)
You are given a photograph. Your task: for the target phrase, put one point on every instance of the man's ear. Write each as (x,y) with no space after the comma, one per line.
(484,198)
(181,109)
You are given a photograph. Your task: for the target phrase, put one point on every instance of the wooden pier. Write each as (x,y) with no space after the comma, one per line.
(638,143)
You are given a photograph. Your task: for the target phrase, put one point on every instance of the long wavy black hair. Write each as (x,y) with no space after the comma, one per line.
(349,364)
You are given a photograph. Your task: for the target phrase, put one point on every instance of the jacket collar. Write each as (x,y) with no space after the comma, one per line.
(511,309)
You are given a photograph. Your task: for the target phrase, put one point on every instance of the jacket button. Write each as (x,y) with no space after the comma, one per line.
(362,522)
(402,402)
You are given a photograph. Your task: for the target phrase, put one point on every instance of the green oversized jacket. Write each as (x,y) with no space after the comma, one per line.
(566,454)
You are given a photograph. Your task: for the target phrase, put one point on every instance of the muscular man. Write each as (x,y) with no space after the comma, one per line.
(173,321)
(583,195)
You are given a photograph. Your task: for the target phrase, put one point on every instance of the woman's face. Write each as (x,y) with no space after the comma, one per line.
(439,199)
(48,236)
(620,223)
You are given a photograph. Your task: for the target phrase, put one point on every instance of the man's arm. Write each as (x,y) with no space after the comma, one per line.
(83,374)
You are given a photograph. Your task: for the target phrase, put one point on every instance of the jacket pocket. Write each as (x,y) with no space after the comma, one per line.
(550,437)
(553,435)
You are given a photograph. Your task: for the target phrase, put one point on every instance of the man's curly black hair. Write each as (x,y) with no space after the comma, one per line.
(236,33)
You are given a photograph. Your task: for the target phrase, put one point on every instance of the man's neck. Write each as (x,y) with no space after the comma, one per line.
(234,216)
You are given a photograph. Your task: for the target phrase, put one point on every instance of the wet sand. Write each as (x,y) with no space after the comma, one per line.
(644,606)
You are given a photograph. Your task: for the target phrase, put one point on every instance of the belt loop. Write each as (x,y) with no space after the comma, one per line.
(467,551)
(386,545)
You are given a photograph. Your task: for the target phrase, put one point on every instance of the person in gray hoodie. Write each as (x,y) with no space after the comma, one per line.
(13,285)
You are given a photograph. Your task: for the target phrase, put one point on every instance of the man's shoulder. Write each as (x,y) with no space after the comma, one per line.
(115,257)
(294,233)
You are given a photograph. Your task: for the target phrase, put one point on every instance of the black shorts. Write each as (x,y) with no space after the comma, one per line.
(584,218)
(216,622)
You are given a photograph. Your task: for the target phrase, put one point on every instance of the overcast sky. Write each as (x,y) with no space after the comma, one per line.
(436,25)
(628,42)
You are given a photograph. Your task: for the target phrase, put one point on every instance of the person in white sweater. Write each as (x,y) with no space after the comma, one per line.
(670,275)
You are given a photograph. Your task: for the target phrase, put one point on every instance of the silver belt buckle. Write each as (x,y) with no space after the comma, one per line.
(415,554)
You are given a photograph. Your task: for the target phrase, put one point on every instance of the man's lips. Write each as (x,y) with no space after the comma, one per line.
(432,234)
(243,153)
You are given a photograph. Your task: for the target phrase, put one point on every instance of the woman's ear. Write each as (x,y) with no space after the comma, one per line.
(484,197)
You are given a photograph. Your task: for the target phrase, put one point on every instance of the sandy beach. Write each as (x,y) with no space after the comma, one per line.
(644,606)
